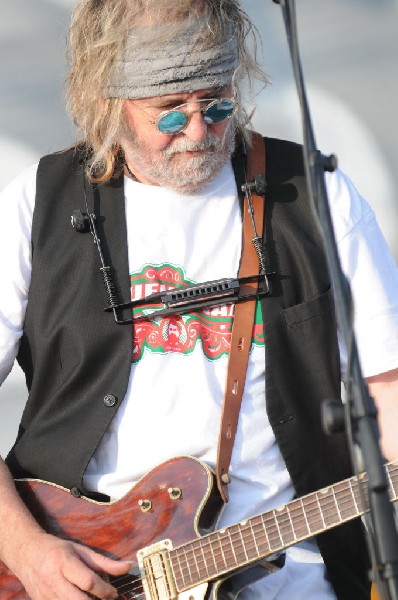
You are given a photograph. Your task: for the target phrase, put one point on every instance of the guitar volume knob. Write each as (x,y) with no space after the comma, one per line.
(175,493)
(145,505)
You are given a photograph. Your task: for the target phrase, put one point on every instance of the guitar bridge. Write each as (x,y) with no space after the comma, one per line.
(156,572)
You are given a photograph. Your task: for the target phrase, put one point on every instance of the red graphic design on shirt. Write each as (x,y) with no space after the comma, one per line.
(181,333)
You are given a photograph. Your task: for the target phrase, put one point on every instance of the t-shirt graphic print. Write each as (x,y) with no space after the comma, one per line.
(211,327)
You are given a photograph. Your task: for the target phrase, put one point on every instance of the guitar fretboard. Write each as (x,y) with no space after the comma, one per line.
(239,545)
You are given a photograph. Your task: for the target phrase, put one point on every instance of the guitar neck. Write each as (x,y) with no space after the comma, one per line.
(239,545)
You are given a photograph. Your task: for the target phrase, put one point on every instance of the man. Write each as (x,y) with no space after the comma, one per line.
(156,90)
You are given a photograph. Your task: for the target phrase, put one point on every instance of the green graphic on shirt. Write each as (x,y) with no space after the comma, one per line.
(181,333)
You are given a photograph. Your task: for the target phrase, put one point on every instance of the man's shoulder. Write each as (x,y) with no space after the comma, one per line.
(75,153)
(282,145)
(284,158)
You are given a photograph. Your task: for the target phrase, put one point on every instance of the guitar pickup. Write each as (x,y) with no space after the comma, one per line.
(157,577)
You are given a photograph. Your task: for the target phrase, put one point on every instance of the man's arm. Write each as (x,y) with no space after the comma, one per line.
(384,390)
(48,567)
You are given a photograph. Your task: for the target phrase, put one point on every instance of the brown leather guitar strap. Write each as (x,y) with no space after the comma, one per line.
(242,327)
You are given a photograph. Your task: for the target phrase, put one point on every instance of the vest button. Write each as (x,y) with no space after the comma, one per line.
(110,400)
(75,492)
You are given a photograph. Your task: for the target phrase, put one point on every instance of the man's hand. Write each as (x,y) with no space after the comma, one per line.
(54,569)
(384,390)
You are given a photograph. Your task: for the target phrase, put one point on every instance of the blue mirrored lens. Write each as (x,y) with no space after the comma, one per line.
(218,112)
(173,122)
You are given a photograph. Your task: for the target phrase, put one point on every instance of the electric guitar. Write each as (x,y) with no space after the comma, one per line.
(165,525)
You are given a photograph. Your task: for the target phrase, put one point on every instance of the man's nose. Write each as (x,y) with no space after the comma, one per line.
(196,129)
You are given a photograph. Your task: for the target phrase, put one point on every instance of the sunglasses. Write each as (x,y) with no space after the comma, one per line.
(175,120)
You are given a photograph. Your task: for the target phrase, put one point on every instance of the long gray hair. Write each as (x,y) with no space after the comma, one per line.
(97,37)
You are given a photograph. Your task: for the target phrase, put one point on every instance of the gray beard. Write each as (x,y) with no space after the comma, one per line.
(187,174)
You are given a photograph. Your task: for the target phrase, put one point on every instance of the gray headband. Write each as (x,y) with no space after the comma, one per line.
(180,64)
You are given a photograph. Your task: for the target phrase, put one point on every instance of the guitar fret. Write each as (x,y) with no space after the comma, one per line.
(210,551)
(247,528)
(178,568)
(232,546)
(210,567)
(204,558)
(278,545)
(228,549)
(395,487)
(265,534)
(188,553)
(336,505)
(218,550)
(390,486)
(285,528)
(320,510)
(273,531)
(328,507)
(210,546)
(301,528)
(254,538)
(333,515)
(198,571)
(261,536)
(210,563)
(243,542)
(314,515)
(249,540)
(305,517)
(361,495)
(393,480)
(353,497)
(264,529)
(236,540)
(289,514)
(343,491)
(347,506)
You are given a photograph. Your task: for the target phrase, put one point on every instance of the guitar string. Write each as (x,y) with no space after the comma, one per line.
(236,537)
(133,586)
(352,487)
(231,541)
(334,497)
(344,492)
(206,569)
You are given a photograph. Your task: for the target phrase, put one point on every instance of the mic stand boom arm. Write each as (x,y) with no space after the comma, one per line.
(360,413)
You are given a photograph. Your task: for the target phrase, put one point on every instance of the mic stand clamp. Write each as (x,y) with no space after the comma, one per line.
(257,186)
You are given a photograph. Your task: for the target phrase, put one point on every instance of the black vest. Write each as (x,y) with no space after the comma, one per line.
(77,360)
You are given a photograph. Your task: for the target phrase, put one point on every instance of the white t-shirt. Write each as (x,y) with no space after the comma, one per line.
(177,380)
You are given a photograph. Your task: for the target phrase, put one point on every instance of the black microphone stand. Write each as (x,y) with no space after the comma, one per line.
(359,413)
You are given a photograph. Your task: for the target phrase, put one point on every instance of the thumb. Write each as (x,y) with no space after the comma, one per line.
(99,562)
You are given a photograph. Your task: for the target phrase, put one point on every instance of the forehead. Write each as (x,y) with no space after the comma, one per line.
(182,97)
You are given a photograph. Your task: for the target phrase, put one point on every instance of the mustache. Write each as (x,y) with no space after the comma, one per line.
(210,142)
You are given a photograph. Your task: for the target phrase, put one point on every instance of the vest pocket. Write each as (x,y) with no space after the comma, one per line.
(320,306)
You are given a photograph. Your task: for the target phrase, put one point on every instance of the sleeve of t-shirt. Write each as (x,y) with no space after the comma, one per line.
(373,275)
(16,210)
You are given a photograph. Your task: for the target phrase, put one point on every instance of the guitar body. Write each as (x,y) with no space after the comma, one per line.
(165,527)
(178,501)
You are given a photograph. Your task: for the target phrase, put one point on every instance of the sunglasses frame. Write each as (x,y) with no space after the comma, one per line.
(211,102)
